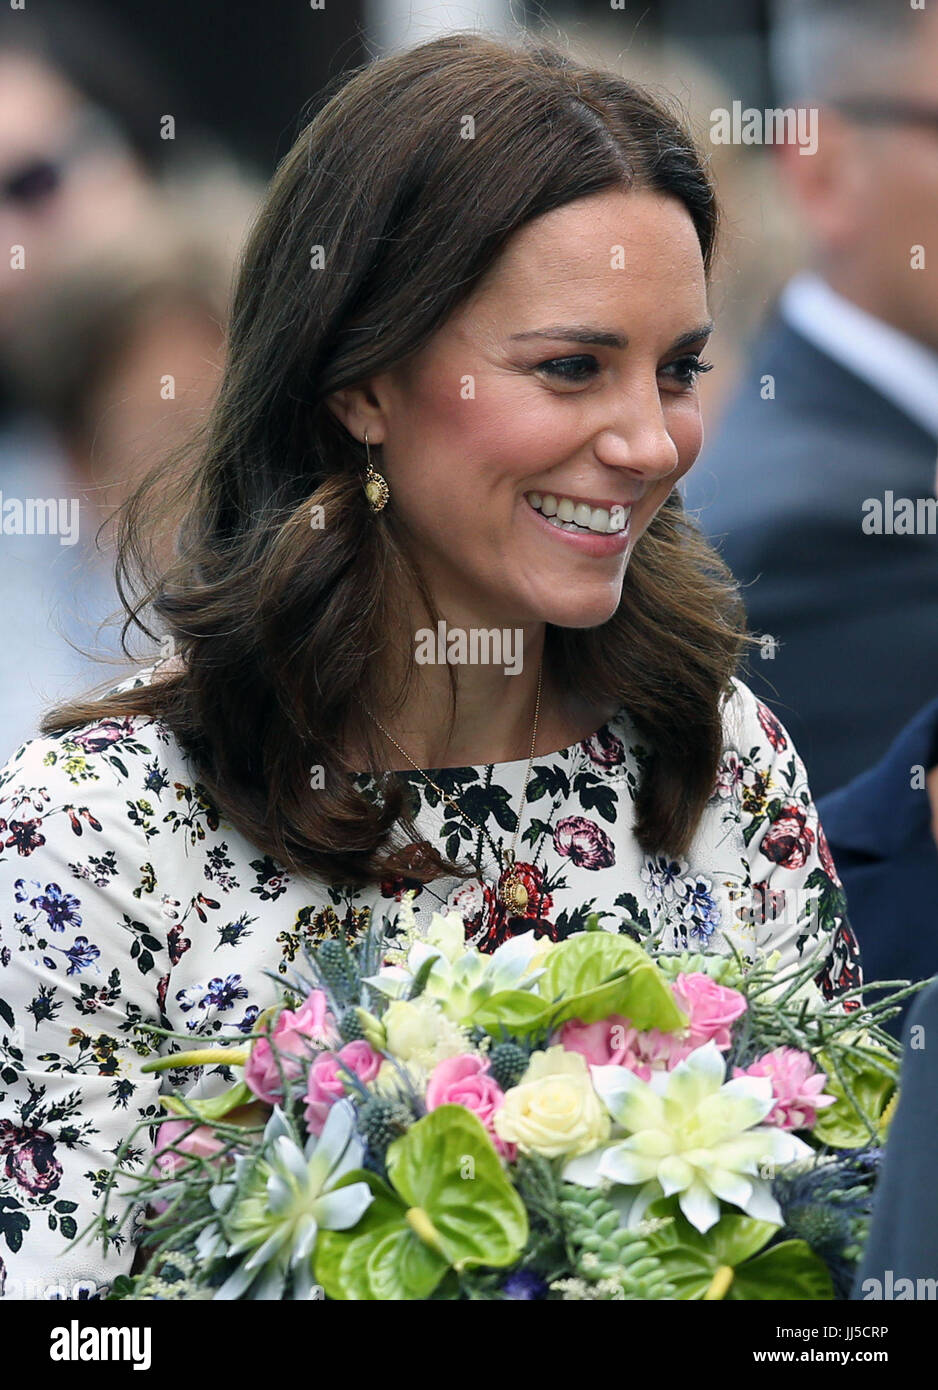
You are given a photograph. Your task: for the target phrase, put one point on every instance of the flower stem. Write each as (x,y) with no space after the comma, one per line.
(719,1284)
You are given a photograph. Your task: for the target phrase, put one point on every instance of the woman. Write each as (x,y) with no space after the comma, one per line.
(459,395)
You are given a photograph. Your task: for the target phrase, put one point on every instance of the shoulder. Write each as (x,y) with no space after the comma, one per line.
(749,723)
(81,776)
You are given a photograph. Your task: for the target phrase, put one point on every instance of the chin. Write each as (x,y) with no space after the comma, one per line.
(585,612)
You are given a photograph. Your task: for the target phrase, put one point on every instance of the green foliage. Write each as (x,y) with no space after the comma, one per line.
(589,976)
(863,1079)
(448,1205)
(731,1260)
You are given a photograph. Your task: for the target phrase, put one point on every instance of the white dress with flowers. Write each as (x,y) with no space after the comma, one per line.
(126,898)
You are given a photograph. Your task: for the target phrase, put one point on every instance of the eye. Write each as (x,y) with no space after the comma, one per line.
(577,368)
(685,370)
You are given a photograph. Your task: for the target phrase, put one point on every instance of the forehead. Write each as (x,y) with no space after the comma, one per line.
(611,249)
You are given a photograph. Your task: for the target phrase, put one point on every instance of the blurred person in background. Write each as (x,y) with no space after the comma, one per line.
(78,168)
(112,299)
(900,1260)
(836,417)
(120,358)
(882,829)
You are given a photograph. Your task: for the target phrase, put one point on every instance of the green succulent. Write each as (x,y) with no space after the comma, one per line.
(272,1211)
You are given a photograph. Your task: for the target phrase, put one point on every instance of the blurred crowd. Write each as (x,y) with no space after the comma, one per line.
(114,289)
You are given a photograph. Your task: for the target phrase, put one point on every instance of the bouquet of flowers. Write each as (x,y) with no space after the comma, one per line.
(596,1118)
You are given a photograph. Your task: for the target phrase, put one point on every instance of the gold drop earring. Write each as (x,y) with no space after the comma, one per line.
(376,488)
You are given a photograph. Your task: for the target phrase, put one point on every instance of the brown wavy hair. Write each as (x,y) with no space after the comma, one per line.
(281,627)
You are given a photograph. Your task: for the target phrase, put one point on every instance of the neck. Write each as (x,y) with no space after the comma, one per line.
(495,700)
(496,692)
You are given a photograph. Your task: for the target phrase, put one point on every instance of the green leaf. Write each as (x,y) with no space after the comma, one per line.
(400,1266)
(343,1258)
(840,1125)
(596,974)
(690,1271)
(789,1271)
(450,1205)
(517,1010)
(732,1240)
(122,1287)
(446,1166)
(215,1107)
(693,1258)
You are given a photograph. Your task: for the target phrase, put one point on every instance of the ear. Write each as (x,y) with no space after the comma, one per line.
(359,411)
(827,185)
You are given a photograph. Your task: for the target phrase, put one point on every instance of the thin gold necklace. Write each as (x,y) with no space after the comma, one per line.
(512,892)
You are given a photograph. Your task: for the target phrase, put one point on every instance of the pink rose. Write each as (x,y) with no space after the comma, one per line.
(796,1086)
(616,1042)
(199,1141)
(710,1008)
(603,1044)
(296,1037)
(653,1050)
(465,1081)
(327,1079)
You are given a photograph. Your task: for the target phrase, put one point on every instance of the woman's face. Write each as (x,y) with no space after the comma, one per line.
(565,385)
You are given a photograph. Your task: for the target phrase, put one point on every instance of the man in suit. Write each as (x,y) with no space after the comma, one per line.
(882,829)
(901,1256)
(817,486)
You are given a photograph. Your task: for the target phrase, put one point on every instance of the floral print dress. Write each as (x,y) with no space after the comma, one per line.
(127,898)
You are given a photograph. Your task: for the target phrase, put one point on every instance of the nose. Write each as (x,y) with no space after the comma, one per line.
(640,441)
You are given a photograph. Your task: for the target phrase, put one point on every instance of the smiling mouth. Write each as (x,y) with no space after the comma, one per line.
(569,515)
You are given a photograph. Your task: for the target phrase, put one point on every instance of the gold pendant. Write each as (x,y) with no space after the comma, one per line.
(512,892)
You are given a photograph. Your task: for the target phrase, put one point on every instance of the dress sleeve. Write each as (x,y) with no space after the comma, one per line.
(83,958)
(799,905)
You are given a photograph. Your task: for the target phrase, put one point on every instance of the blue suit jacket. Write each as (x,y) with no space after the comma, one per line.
(879,831)
(781,488)
(903,1240)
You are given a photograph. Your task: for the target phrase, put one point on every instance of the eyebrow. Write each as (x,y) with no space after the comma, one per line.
(604,337)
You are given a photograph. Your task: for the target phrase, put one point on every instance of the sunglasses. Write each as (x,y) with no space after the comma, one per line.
(29,184)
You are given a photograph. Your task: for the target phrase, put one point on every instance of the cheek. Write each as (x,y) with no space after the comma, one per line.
(686,428)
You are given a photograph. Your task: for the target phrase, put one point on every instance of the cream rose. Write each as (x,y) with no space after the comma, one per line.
(553,1110)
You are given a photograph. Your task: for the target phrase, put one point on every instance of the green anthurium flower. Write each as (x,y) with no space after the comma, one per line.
(734,1261)
(690,1132)
(449,1206)
(271,1211)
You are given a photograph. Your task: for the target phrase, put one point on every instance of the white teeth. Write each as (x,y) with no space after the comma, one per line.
(568,515)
